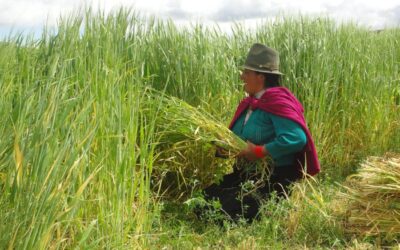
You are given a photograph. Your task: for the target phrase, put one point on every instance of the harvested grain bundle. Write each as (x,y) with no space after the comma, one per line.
(187,141)
(374,198)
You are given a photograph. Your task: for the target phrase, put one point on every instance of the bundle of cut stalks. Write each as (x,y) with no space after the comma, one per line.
(373,197)
(187,141)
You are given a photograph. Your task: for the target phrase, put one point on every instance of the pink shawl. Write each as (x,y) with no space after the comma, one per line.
(281,102)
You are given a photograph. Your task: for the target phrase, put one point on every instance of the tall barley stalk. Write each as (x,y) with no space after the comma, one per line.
(78,147)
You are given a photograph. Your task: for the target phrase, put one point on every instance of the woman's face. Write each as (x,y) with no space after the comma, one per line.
(253,82)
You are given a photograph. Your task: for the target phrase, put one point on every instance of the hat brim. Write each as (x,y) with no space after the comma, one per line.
(276,72)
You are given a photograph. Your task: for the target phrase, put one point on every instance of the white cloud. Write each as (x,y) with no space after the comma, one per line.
(31,13)
(373,13)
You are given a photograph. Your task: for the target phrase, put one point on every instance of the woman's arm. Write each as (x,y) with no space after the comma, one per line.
(290,137)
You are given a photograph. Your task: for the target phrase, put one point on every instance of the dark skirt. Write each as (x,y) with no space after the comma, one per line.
(242,192)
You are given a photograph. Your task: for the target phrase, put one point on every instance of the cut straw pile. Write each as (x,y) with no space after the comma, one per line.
(187,141)
(373,197)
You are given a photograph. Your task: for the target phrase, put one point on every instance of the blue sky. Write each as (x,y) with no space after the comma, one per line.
(29,16)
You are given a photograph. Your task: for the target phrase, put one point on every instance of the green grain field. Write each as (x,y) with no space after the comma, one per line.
(81,166)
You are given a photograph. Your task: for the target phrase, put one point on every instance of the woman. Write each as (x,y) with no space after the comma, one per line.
(271,120)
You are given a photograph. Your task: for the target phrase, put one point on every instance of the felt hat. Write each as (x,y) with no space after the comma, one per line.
(262,59)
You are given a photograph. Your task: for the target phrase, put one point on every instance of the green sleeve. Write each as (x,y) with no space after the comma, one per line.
(290,137)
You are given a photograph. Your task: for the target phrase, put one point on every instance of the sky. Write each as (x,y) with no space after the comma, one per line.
(30,16)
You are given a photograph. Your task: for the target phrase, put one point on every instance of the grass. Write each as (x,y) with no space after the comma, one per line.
(78,148)
(187,140)
(371,199)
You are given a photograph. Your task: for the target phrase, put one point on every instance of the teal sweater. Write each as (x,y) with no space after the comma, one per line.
(282,137)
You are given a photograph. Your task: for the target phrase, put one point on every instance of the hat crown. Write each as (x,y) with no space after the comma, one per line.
(263,59)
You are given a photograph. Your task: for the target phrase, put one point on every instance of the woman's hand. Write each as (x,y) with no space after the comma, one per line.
(221,153)
(253,152)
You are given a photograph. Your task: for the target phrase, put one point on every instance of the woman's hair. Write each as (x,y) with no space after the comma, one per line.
(271,80)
